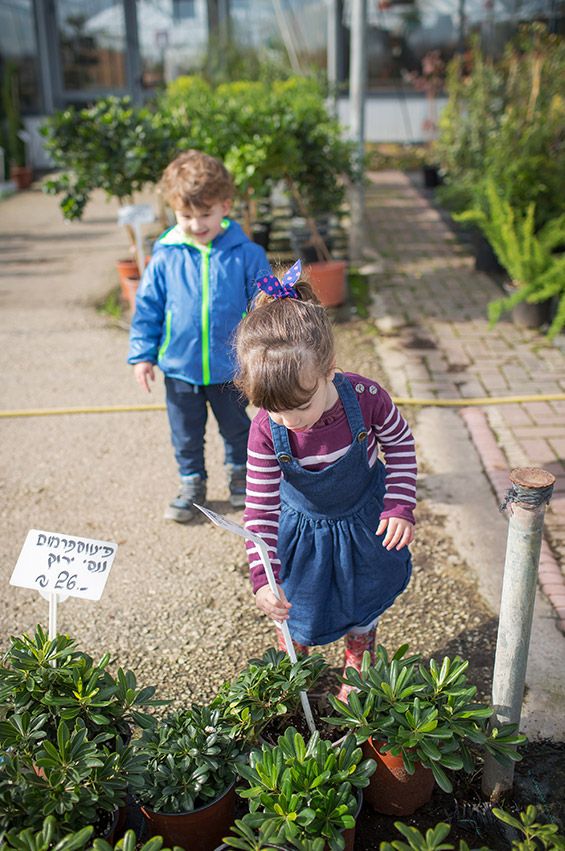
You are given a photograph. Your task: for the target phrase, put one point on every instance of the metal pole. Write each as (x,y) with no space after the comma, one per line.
(530,492)
(332,52)
(357,90)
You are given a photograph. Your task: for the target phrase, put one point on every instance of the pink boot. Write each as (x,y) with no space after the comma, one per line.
(299,648)
(355,645)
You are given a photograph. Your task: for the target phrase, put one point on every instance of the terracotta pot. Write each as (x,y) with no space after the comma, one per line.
(127,269)
(391,789)
(349,834)
(328,281)
(129,291)
(200,830)
(22,175)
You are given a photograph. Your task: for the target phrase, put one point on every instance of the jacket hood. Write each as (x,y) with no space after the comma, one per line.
(231,236)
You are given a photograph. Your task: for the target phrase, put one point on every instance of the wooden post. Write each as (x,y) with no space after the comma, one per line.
(530,492)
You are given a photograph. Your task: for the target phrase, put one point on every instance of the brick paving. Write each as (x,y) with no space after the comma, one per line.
(430,306)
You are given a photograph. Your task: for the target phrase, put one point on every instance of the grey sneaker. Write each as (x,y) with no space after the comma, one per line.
(236,484)
(192,489)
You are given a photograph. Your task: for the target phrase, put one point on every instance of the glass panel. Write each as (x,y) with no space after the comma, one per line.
(402,32)
(18,47)
(173,38)
(92,45)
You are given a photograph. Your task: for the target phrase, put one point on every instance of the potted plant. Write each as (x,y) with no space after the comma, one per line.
(20,171)
(112,146)
(52,837)
(186,787)
(266,690)
(78,779)
(47,677)
(306,792)
(317,170)
(536,835)
(537,273)
(431,81)
(417,722)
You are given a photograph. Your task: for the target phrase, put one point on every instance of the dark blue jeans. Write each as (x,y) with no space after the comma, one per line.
(187,407)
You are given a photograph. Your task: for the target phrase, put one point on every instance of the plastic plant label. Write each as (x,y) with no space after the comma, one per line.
(222,521)
(65,565)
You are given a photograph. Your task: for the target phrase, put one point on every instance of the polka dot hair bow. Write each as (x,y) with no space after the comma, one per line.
(271,285)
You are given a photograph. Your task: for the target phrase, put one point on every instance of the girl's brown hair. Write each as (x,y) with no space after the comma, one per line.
(280,341)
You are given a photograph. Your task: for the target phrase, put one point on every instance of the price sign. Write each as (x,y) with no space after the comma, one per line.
(64,565)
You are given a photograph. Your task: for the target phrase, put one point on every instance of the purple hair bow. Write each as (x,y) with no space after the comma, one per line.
(271,285)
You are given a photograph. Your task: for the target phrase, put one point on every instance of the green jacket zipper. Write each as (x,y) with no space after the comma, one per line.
(205,314)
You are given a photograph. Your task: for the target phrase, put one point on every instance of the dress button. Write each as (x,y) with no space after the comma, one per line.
(373,390)
(360,388)
(284,458)
(362,436)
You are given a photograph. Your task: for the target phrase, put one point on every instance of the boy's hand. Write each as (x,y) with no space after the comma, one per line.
(399,532)
(268,603)
(143,372)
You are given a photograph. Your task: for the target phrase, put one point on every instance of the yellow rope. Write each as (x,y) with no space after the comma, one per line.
(422,403)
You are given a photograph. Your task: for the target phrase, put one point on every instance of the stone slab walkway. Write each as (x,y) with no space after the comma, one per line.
(430,307)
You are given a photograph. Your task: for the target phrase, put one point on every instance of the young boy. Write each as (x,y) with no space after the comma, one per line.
(194,292)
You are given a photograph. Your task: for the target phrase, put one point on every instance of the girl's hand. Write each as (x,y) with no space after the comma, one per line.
(268,603)
(143,372)
(399,532)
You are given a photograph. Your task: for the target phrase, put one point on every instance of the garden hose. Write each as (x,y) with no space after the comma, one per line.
(398,400)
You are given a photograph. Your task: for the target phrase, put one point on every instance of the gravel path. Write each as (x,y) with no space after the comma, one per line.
(177,608)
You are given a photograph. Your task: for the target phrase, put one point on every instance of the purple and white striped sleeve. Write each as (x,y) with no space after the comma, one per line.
(262,501)
(397,441)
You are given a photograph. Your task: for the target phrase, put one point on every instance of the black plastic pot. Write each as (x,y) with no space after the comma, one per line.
(529,314)
(485,258)
(301,239)
(432,177)
(261,232)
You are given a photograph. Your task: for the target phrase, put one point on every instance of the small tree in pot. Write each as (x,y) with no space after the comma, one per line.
(425,718)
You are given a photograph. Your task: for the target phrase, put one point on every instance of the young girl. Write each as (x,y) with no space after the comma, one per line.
(336,521)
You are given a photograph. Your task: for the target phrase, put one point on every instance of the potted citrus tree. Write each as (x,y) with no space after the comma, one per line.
(112,146)
(316,174)
(418,722)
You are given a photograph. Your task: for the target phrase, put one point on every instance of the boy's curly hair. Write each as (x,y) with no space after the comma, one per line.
(195,179)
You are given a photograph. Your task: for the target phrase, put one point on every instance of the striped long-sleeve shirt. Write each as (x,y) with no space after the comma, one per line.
(323,444)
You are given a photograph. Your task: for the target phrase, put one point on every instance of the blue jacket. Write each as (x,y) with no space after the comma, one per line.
(191,299)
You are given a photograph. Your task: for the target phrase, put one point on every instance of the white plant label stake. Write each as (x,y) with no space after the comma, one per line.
(224,523)
(61,566)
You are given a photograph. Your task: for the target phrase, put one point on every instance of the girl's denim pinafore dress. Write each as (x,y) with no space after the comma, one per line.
(334,569)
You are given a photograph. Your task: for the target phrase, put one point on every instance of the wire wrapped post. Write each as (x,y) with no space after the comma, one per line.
(530,491)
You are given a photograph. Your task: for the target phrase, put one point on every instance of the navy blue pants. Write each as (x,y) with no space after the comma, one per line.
(187,407)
